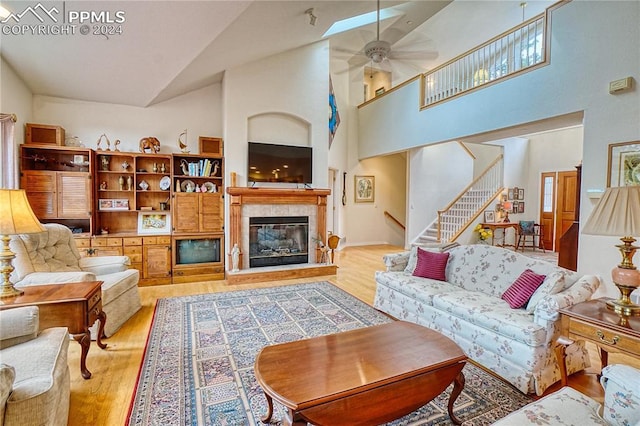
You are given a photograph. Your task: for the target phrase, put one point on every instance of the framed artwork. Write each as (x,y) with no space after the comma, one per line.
(624,164)
(520,193)
(514,206)
(113,204)
(516,193)
(510,194)
(521,207)
(364,189)
(489,217)
(154,223)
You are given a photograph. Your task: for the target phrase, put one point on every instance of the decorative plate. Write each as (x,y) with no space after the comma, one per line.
(188,186)
(210,186)
(165,183)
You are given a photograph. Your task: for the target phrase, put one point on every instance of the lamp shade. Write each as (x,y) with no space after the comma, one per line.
(507,205)
(16,216)
(616,214)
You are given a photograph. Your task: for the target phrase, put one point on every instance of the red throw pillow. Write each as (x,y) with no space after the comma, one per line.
(519,293)
(431,265)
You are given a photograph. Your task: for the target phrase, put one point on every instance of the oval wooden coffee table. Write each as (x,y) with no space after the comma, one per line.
(365,376)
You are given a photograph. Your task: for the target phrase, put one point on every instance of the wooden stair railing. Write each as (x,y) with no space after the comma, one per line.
(489,184)
(393,219)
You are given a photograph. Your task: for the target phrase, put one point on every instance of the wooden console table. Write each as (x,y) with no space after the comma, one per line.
(73,305)
(594,322)
(502,226)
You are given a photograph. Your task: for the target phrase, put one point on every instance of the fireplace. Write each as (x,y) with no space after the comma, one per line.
(278,240)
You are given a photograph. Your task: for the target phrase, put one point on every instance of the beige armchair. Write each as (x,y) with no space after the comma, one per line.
(34,374)
(52,257)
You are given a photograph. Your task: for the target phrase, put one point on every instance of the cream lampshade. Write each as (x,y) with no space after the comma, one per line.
(618,213)
(16,217)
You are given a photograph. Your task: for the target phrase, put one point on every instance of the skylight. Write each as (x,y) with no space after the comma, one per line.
(360,21)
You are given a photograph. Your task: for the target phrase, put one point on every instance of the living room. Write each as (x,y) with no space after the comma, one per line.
(223,109)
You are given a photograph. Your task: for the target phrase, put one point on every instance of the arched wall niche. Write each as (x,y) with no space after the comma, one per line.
(279,128)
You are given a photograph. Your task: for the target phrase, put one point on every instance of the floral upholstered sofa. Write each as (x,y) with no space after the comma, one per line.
(516,344)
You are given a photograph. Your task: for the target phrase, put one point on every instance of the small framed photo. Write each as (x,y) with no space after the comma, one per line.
(489,217)
(520,193)
(510,194)
(78,159)
(154,223)
(521,207)
(364,189)
(105,204)
(516,193)
(624,164)
(514,207)
(113,204)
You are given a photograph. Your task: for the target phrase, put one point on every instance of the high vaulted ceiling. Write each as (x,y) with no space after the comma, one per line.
(168,48)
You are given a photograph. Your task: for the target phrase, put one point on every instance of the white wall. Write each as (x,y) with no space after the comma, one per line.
(586,54)
(199,112)
(15,97)
(437,173)
(270,86)
(366,222)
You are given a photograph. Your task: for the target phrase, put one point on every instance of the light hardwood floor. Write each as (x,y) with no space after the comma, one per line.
(104,399)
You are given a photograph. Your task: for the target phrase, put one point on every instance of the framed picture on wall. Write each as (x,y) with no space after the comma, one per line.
(624,164)
(521,207)
(514,207)
(510,194)
(489,217)
(520,193)
(364,188)
(516,193)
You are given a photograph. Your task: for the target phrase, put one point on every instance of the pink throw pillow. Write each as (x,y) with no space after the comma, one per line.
(519,293)
(431,265)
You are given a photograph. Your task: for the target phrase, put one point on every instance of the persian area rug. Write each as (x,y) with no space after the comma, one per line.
(198,364)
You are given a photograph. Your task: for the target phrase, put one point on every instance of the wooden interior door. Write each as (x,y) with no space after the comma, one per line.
(566,203)
(548,209)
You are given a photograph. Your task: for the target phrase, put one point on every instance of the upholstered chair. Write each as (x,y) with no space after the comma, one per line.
(52,257)
(34,373)
(567,406)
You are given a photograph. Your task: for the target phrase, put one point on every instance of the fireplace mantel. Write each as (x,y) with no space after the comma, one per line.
(242,196)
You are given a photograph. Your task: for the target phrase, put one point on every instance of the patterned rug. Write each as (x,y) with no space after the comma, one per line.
(198,364)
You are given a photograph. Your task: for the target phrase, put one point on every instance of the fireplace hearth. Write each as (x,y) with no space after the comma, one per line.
(277,240)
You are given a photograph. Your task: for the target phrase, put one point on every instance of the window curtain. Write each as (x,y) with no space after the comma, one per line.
(8,157)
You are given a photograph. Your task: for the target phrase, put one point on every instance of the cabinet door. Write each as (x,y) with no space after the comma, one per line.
(157,262)
(74,195)
(211,213)
(41,190)
(185,212)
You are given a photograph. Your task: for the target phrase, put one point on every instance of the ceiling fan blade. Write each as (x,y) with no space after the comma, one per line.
(408,55)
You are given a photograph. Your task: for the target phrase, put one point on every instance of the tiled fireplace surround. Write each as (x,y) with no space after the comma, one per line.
(274,202)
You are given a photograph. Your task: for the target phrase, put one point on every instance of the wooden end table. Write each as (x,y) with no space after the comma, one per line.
(365,376)
(73,305)
(594,322)
(503,227)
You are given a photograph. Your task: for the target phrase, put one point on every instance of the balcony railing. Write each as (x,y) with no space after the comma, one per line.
(510,53)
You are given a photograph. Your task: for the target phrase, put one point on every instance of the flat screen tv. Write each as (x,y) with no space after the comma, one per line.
(279,163)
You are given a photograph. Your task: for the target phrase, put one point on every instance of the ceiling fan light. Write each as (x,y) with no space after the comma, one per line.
(377,50)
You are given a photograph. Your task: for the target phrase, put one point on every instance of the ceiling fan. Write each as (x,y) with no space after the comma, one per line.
(409,52)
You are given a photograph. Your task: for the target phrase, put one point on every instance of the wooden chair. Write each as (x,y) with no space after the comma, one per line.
(530,235)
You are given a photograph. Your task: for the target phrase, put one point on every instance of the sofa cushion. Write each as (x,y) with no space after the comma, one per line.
(493,314)
(421,289)
(431,265)
(432,247)
(19,325)
(522,288)
(117,283)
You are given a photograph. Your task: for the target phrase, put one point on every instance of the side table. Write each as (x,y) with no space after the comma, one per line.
(73,305)
(593,322)
(503,227)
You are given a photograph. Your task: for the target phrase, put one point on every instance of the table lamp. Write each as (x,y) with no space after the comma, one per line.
(618,213)
(506,208)
(16,217)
